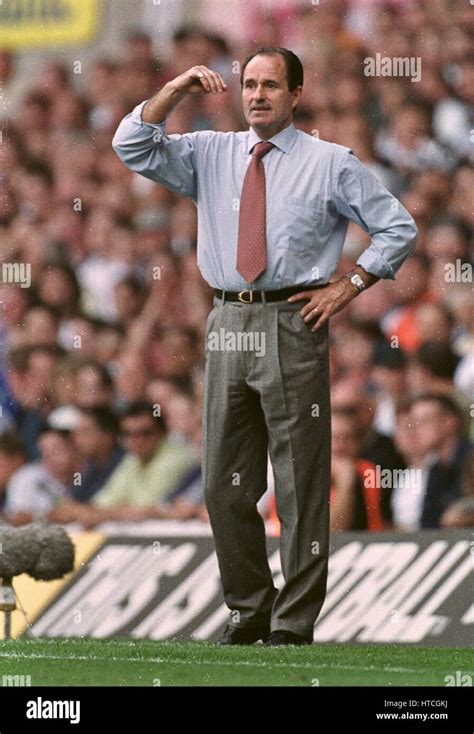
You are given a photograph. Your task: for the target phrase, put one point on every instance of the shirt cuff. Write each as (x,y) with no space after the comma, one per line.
(137,117)
(376,265)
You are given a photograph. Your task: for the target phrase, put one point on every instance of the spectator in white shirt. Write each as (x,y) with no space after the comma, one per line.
(36,488)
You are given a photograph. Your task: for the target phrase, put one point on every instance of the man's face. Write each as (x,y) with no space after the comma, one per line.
(140,436)
(9,463)
(268,103)
(57,455)
(427,420)
(344,442)
(89,439)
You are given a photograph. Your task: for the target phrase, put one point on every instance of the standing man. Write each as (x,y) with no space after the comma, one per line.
(273,208)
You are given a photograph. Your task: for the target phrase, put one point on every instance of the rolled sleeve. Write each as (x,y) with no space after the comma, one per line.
(145,148)
(363,199)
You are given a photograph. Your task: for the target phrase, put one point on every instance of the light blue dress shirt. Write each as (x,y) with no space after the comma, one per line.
(312,189)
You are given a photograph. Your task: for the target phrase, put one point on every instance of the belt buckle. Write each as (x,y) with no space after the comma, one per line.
(241,298)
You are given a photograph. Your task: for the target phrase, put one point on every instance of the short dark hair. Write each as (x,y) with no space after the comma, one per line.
(143,407)
(12,445)
(104,418)
(445,403)
(438,358)
(187,31)
(294,67)
(133,282)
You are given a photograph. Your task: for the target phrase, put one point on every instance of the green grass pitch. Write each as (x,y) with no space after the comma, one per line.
(123,662)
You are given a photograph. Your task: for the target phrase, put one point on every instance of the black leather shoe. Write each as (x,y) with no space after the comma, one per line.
(243,635)
(283,637)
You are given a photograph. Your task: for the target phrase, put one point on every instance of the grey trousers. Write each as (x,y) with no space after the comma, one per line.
(267,391)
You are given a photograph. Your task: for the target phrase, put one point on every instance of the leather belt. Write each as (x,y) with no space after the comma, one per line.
(257,296)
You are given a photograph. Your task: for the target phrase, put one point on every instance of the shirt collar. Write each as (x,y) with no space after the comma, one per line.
(284,140)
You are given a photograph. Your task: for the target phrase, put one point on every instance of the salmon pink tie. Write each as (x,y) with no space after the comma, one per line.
(252,245)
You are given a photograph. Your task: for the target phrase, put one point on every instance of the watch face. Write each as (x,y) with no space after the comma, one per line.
(357,281)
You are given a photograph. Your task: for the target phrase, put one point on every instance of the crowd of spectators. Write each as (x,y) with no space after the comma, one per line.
(102,345)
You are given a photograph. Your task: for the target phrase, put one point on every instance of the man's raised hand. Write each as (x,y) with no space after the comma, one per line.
(200,80)
(196,80)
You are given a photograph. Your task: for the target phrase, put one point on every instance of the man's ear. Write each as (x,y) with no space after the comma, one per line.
(296,101)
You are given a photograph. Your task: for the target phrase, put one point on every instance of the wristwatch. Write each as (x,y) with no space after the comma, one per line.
(356,280)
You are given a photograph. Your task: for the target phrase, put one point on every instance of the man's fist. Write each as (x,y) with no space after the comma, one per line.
(197,80)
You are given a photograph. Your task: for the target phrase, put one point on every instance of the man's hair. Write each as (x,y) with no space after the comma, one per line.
(187,31)
(12,445)
(104,417)
(294,67)
(438,358)
(143,407)
(135,284)
(445,403)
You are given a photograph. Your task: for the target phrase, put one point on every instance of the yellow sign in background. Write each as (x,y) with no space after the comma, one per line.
(43,23)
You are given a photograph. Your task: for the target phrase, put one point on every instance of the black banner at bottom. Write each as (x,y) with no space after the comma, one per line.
(376,709)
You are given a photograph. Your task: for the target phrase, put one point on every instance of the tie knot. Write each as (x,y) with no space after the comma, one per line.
(261,149)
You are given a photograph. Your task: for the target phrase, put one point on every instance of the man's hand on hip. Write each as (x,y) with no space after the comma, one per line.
(325,302)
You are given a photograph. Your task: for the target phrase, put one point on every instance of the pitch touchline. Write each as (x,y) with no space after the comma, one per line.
(247,663)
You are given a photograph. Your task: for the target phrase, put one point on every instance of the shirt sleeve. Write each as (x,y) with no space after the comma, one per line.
(362,198)
(166,159)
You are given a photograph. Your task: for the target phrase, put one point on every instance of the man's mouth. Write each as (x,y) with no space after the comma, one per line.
(260,109)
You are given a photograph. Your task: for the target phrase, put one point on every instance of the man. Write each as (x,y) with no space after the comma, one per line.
(12,457)
(273,208)
(38,487)
(355,496)
(376,447)
(150,471)
(30,384)
(144,479)
(96,438)
(437,425)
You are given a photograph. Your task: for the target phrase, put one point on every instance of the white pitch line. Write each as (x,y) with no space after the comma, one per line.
(246,663)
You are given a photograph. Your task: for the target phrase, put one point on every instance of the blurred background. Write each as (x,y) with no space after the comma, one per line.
(109,320)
